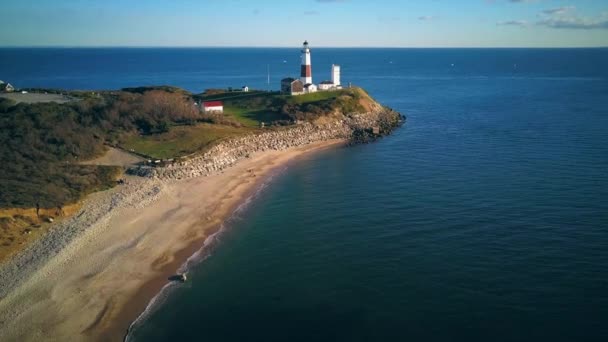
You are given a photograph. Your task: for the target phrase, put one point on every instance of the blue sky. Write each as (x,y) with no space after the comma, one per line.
(390,23)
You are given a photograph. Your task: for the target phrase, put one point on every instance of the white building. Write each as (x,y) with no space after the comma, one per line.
(326,85)
(246,89)
(292,86)
(335,79)
(310,88)
(335,75)
(213,107)
(6,87)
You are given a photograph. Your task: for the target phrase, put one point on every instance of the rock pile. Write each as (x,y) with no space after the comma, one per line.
(357,128)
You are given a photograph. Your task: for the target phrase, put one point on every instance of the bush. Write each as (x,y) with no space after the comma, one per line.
(220,119)
(6,104)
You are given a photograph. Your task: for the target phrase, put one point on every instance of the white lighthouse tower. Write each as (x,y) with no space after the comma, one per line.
(306,71)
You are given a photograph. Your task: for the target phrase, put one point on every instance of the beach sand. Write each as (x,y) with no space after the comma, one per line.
(96,286)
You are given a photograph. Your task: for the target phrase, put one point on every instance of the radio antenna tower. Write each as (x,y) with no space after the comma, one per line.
(268,71)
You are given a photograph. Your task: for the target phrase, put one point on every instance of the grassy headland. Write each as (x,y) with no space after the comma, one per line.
(275,108)
(43,145)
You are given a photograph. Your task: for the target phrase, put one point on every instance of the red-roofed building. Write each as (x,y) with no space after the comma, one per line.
(213,106)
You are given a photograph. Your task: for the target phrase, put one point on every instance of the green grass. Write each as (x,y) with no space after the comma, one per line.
(254,107)
(249,108)
(243,115)
(237,95)
(181,140)
(251,117)
(314,97)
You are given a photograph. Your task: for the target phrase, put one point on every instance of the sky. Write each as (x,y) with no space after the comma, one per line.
(286,23)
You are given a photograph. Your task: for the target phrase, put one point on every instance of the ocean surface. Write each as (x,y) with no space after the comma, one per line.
(484,218)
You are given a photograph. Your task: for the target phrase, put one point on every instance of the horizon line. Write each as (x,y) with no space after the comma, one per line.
(284,47)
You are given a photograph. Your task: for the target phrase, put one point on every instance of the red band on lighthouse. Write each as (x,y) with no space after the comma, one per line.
(306,71)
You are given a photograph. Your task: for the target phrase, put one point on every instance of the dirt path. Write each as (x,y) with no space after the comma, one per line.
(115,157)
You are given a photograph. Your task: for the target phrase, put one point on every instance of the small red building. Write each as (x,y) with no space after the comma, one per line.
(213,107)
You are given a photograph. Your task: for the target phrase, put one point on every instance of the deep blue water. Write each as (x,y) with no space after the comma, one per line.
(484,218)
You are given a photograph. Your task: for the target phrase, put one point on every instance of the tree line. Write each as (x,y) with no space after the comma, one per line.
(42,144)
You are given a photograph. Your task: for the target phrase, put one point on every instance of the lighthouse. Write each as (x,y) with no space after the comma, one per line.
(306,71)
(304,84)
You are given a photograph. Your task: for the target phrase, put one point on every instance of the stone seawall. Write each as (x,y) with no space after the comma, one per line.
(356,128)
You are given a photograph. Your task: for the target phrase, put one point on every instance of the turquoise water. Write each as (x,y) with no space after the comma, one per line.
(483,218)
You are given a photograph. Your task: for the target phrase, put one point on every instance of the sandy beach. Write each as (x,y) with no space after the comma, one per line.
(127,242)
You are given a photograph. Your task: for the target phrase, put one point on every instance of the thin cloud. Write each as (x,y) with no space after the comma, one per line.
(311,13)
(562,18)
(559,10)
(567,18)
(578,23)
(520,23)
(426,17)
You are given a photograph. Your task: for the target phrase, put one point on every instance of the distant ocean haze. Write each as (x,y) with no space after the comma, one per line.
(483,218)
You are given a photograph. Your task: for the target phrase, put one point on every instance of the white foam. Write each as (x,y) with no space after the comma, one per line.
(154,304)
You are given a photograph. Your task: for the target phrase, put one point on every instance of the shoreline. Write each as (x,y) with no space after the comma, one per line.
(99,297)
(137,306)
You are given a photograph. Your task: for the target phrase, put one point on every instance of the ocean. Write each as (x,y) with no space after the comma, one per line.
(484,218)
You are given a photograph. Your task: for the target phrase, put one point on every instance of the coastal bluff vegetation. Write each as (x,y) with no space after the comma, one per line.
(45,146)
